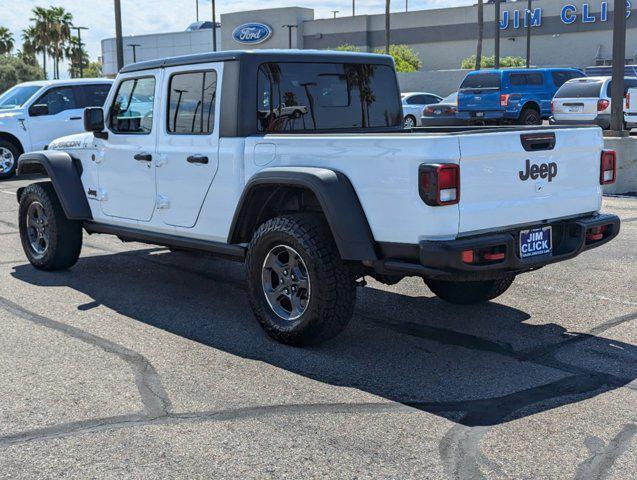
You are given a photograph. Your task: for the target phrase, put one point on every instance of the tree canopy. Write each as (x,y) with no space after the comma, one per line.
(469,63)
(13,70)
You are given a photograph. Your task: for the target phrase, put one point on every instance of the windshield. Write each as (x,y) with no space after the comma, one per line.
(453,98)
(17,96)
(481,80)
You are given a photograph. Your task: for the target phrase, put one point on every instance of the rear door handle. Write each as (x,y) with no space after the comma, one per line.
(143,157)
(76,118)
(197,159)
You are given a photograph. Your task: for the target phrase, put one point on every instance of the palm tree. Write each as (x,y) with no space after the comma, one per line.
(30,46)
(40,33)
(480,34)
(387,26)
(61,22)
(6,41)
(75,54)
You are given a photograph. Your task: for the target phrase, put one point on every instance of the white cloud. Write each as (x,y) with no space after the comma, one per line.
(152,16)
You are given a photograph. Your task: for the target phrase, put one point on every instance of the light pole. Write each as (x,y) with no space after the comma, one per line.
(406,5)
(619,61)
(214,27)
(528,34)
(197,9)
(134,46)
(497,34)
(79,46)
(290,27)
(119,46)
(335,12)
(353,8)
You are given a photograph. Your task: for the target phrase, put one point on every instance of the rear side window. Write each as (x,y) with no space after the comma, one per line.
(528,79)
(191,103)
(579,90)
(329,96)
(628,84)
(58,100)
(132,109)
(563,76)
(481,80)
(94,95)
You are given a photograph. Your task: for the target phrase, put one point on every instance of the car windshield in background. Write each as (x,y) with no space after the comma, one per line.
(580,89)
(481,80)
(17,96)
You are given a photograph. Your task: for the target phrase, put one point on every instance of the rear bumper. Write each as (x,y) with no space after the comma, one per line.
(441,121)
(600,120)
(486,115)
(443,259)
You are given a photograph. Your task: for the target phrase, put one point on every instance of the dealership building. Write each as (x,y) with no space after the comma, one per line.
(575,33)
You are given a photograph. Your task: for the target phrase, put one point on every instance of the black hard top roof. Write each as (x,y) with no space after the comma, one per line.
(310,56)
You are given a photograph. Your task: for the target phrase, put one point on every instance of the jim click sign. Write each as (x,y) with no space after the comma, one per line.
(569,15)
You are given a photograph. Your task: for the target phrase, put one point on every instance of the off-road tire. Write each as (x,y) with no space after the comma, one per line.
(16,153)
(332,284)
(469,293)
(65,236)
(530,116)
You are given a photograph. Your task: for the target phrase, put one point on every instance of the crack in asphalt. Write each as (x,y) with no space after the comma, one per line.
(598,466)
(153,396)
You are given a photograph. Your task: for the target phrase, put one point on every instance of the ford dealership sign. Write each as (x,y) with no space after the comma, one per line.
(252,33)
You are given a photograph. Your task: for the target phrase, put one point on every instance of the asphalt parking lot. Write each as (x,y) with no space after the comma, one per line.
(142,363)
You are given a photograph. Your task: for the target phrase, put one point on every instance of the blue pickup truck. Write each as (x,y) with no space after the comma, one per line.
(521,96)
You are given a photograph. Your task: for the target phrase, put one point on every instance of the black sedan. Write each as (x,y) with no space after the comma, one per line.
(442,114)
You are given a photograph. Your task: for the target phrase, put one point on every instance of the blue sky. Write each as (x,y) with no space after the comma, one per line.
(152,16)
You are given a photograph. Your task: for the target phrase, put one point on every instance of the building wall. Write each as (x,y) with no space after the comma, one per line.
(440,82)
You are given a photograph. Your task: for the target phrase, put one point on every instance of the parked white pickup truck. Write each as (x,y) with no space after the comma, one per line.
(185,156)
(34,113)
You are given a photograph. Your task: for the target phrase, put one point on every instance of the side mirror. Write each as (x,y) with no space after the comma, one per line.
(94,121)
(39,110)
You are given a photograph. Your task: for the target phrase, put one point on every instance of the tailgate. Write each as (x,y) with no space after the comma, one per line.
(479,100)
(503,185)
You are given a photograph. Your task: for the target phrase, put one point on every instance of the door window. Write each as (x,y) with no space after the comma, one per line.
(58,100)
(416,100)
(132,109)
(191,103)
(93,95)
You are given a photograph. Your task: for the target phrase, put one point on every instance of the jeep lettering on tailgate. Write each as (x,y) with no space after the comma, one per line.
(544,170)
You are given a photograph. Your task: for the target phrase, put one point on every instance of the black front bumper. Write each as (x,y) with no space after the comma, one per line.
(443,259)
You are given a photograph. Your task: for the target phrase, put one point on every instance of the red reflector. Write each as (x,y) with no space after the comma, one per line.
(595,234)
(493,256)
(467,256)
(608,167)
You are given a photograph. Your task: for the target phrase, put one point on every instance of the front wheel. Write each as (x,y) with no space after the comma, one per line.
(410,121)
(300,290)
(469,293)
(50,240)
(9,154)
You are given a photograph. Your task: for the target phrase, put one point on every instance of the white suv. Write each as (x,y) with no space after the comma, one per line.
(32,114)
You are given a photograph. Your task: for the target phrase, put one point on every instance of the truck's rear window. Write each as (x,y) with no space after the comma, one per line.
(329,96)
(481,80)
(579,89)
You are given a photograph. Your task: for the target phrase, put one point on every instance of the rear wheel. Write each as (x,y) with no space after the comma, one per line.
(530,116)
(50,240)
(9,154)
(300,290)
(469,293)
(410,121)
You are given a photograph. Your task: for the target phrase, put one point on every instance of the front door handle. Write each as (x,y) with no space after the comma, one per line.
(76,118)
(143,157)
(197,159)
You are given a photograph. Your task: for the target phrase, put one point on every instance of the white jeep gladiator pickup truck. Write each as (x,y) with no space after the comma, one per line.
(34,113)
(198,153)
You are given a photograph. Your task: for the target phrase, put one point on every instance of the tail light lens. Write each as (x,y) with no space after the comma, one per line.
(602,105)
(504,100)
(428,111)
(627,101)
(439,184)
(608,168)
(552,106)
(453,110)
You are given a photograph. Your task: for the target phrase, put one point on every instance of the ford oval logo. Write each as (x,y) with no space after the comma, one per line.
(252,33)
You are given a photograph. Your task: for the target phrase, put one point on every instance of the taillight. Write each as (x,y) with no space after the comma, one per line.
(608,167)
(504,100)
(453,110)
(440,184)
(428,111)
(602,105)
(552,107)
(627,101)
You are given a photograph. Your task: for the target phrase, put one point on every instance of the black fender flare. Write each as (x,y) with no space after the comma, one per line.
(337,198)
(65,174)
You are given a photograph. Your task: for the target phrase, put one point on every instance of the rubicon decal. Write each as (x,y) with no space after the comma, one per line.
(535,171)
(252,33)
